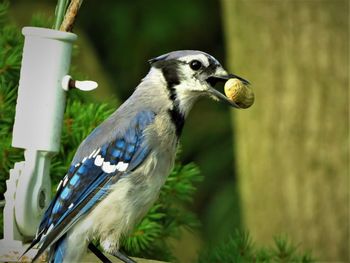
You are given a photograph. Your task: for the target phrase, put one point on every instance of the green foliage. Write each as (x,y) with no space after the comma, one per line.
(284,251)
(239,247)
(41,20)
(11,45)
(81,116)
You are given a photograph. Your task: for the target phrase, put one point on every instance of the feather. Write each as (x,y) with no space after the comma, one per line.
(89,181)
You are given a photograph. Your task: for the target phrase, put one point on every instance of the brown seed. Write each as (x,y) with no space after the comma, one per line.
(240,93)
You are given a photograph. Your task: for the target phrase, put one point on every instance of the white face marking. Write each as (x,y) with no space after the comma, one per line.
(193,83)
(99,160)
(70,206)
(200,57)
(121,166)
(108,168)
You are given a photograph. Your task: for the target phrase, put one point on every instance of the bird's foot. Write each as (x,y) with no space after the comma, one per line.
(111,247)
(98,253)
(122,257)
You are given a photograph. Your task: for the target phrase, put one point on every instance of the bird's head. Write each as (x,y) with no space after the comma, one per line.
(189,74)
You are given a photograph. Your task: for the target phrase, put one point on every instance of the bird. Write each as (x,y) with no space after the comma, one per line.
(118,170)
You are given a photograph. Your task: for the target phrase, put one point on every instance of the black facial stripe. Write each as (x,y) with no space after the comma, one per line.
(213,65)
(170,72)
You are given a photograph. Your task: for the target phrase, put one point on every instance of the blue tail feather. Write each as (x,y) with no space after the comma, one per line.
(59,251)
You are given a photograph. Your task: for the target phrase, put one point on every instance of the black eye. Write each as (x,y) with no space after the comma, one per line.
(195,64)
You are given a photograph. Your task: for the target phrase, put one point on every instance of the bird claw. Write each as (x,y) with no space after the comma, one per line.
(123,257)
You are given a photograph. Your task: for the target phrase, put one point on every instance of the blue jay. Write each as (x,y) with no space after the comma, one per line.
(119,169)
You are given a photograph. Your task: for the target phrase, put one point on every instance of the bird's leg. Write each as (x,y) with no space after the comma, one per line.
(122,257)
(98,253)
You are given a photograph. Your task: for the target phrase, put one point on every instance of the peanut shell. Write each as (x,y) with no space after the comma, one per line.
(240,93)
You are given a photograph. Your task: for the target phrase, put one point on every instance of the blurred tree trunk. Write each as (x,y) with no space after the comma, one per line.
(292,146)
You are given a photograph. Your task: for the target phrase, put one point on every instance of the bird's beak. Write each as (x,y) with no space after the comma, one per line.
(221,76)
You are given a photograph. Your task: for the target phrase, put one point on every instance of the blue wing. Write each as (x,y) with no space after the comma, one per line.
(88,181)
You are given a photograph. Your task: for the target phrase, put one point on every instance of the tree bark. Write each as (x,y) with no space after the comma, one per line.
(292,146)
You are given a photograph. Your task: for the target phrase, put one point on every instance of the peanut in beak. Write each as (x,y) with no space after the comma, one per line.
(239,93)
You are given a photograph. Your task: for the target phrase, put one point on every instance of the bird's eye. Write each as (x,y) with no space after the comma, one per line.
(195,64)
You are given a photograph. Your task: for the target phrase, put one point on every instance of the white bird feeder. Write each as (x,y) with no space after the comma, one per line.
(37,130)
(39,116)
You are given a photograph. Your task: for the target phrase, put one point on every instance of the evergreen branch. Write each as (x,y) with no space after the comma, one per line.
(3,11)
(180,185)
(239,247)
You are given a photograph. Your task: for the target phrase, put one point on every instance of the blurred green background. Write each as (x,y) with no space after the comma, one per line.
(281,166)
